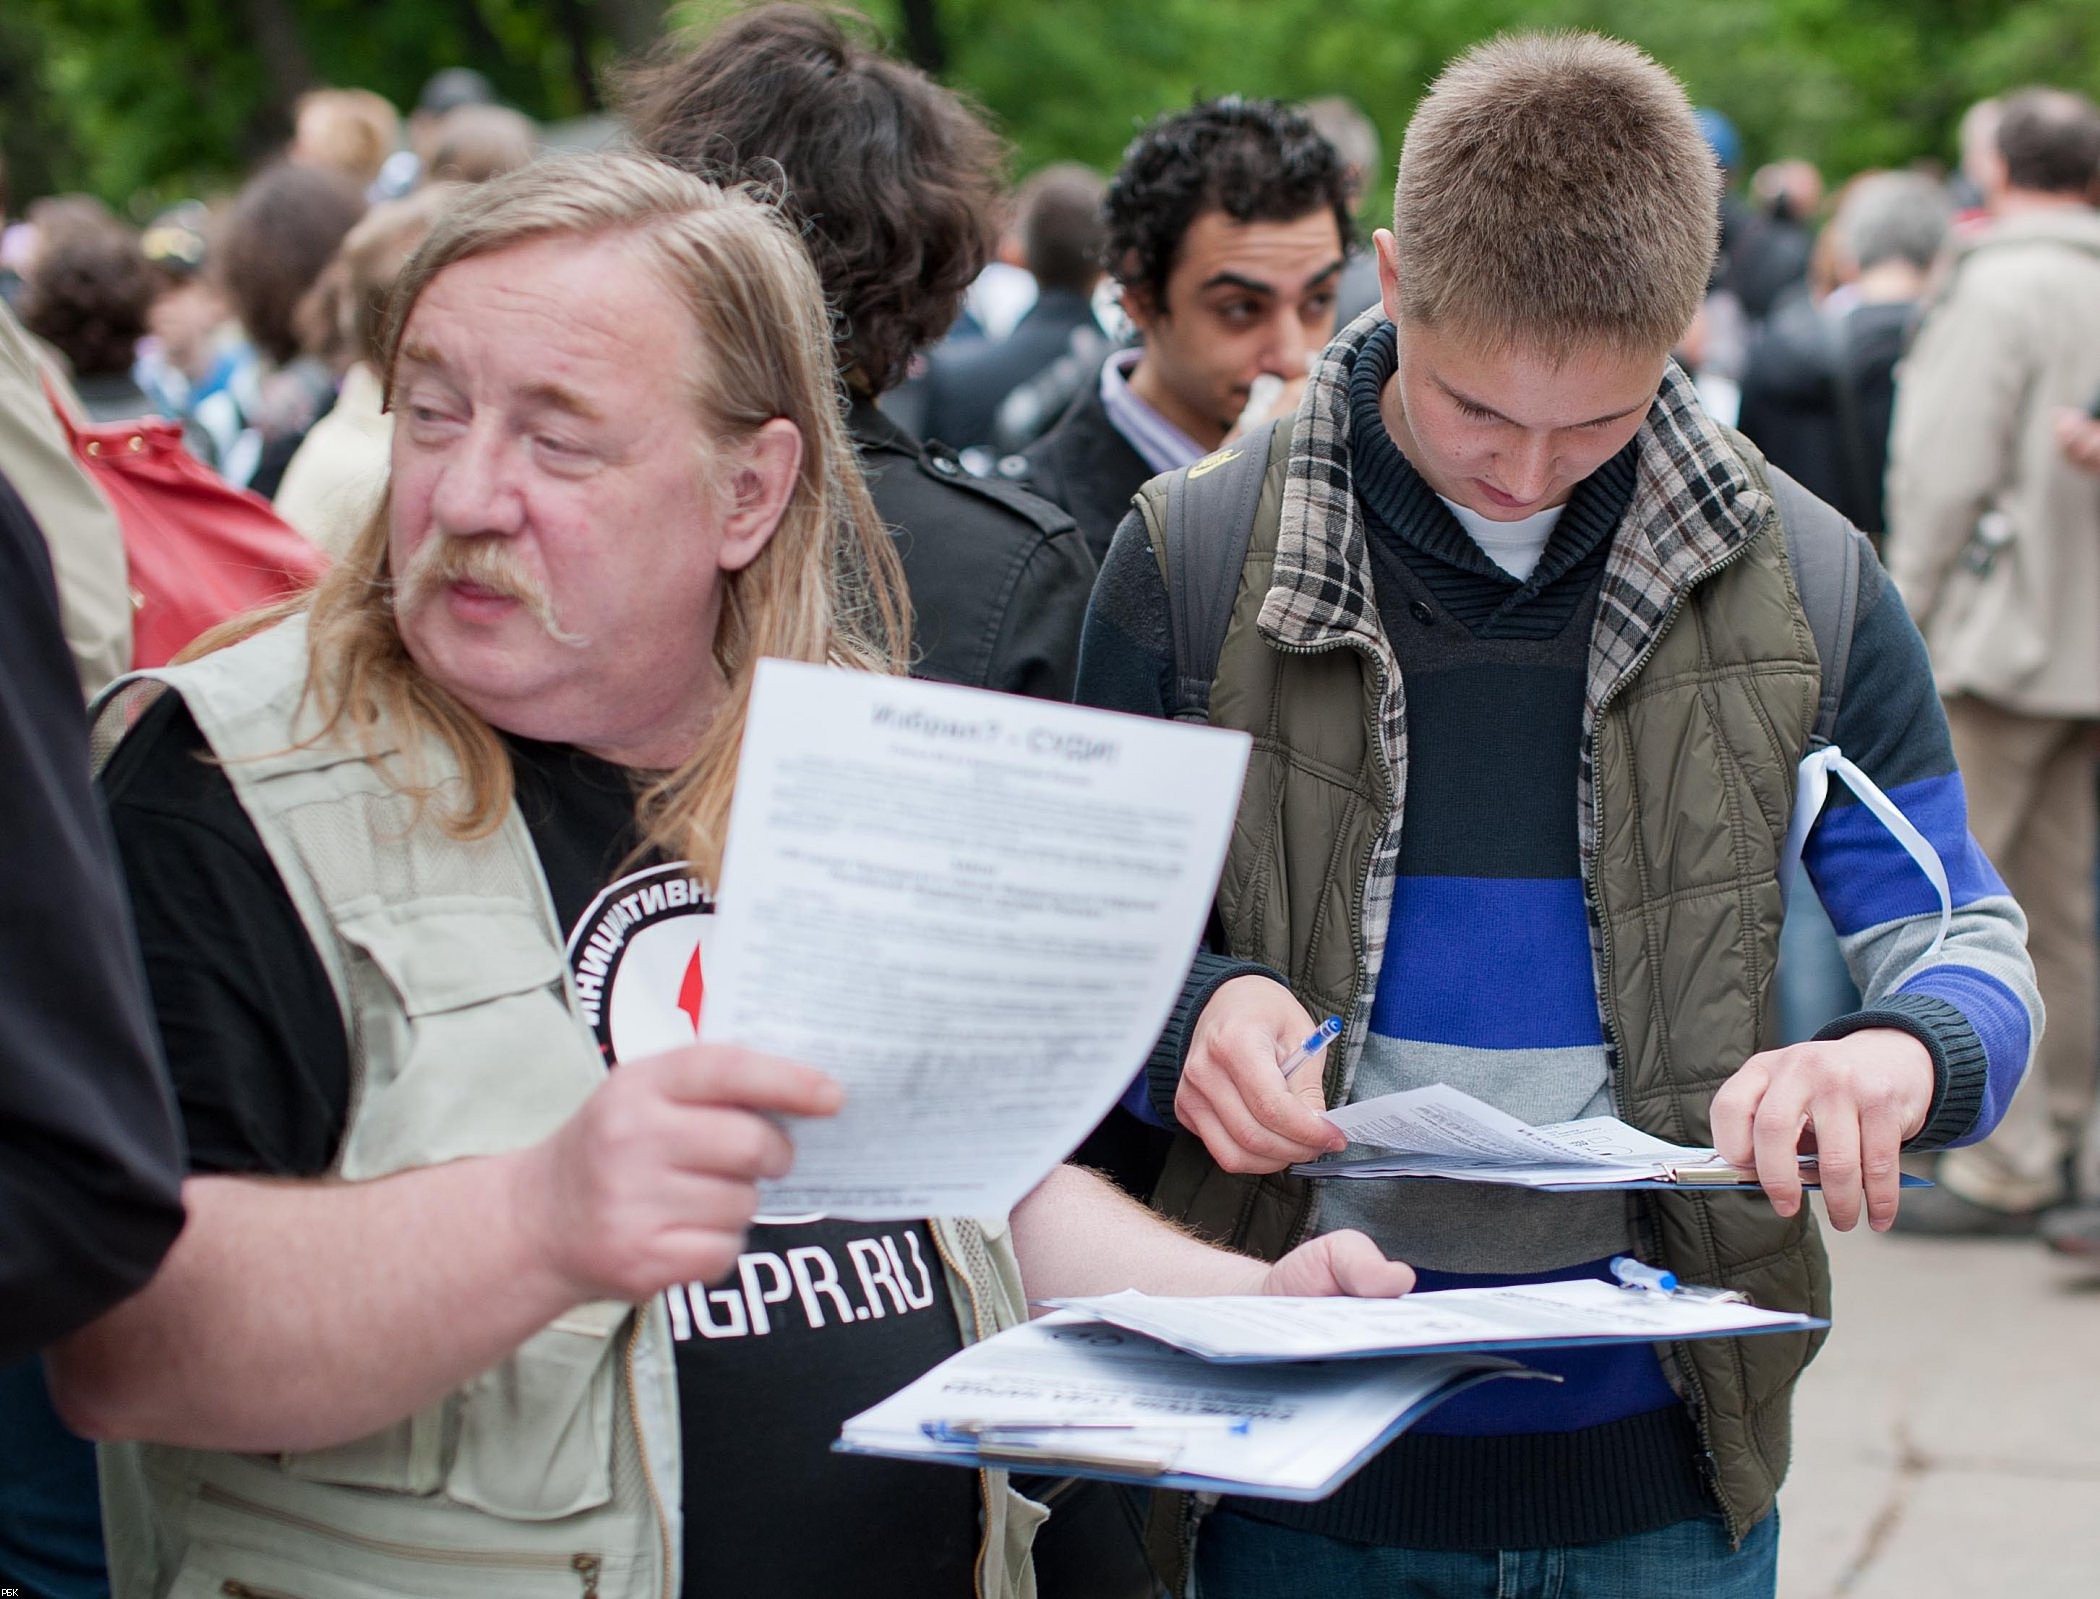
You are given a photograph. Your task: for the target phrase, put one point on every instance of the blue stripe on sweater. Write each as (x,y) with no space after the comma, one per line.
(1863,876)
(1488,962)
(2000,1020)
(1599,1385)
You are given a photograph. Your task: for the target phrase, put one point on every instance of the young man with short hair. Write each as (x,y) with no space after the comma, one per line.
(1529,669)
(1228,228)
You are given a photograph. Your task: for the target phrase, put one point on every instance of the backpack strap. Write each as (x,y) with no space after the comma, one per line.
(1202,547)
(1824,550)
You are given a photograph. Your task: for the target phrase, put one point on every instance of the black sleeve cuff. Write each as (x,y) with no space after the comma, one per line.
(1208,974)
(1960,1069)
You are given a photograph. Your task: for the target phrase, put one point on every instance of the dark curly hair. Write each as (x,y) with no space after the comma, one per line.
(88,295)
(1255,160)
(895,181)
(284,227)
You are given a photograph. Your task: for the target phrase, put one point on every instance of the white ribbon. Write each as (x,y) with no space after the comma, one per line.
(1812,786)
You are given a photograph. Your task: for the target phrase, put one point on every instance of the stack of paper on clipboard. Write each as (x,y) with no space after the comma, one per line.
(1273,1398)
(1440,1131)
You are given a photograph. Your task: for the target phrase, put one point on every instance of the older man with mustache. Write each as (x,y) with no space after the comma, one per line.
(458,1310)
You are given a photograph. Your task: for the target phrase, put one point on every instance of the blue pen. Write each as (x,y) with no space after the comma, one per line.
(1638,1274)
(1323,1035)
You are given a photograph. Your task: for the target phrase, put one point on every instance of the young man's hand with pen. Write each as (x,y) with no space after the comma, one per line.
(1233,1094)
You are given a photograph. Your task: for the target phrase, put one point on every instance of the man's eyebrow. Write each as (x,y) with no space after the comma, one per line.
(419,354)
(1472,404)
(1236,280)
(559,398)
(554,396)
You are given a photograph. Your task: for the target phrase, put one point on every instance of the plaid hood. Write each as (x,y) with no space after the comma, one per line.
(1694,503)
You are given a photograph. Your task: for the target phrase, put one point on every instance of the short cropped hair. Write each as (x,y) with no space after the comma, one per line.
(1057,213)
(1894,216)
(283,228)
(1255,160)
(1556,192)
(897,182)
(2049,140)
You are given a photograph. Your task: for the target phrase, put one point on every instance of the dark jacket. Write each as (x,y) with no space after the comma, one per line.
(1817,394)
(966,380)
(1085,465)
(91,1160)
(999,579)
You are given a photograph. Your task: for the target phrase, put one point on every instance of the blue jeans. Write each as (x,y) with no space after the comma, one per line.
(1238,1557)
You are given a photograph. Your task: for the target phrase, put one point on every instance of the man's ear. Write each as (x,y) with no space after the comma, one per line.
(1388,249)
(1140,307)
(762,474)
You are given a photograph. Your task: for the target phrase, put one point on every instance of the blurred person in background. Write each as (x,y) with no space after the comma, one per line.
(1819,385)
(1978,141)
(351,131)
(280,233)
(87,295)
(1994,540)
(1057,217)
(478,142)
(195,364)
(338,473)
(1768,251)
(897,185)
(1345,125)
(1228,230)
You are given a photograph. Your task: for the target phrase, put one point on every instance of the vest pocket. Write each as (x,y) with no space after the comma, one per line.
(535,1433)
(404,1458)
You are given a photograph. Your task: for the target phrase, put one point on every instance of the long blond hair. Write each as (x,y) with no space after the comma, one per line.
(827,586)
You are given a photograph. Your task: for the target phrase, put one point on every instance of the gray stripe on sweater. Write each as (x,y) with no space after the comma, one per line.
(1477,1227)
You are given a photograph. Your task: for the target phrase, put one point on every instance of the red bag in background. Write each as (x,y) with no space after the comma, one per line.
(200,550)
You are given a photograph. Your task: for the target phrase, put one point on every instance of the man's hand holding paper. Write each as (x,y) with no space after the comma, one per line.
(1855,1100)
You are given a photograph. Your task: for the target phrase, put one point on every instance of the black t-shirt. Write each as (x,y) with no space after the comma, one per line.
(820,1319)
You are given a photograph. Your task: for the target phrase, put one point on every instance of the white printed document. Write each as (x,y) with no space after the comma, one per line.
(974,910)
(1069,1395)
(1440,1131)
(1508,1319)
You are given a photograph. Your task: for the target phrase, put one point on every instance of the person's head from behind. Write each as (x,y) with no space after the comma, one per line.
(1343,124)
(2046,145)
(88,294)
(1889,230)
(1228,227)
(343,316)
(619,478)
(896,181)
(283,228)
(1553,231)
(351,131)
(1057,217)
(478,142)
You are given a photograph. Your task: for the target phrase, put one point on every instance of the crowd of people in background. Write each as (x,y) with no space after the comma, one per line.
(1918,348)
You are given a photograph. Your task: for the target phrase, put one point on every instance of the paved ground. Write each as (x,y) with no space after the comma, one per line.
(1947,1441)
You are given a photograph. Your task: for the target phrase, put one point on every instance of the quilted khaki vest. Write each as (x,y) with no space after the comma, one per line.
(556,1475)
(1693,753)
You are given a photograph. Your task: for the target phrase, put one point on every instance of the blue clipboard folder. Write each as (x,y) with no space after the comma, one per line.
(1141,1412)
(1267,1397)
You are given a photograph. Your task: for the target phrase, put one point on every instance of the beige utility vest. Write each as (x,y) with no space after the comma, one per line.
(1692,757)
(556,1474)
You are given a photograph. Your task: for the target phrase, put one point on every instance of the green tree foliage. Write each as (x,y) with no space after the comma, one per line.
(141,98)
